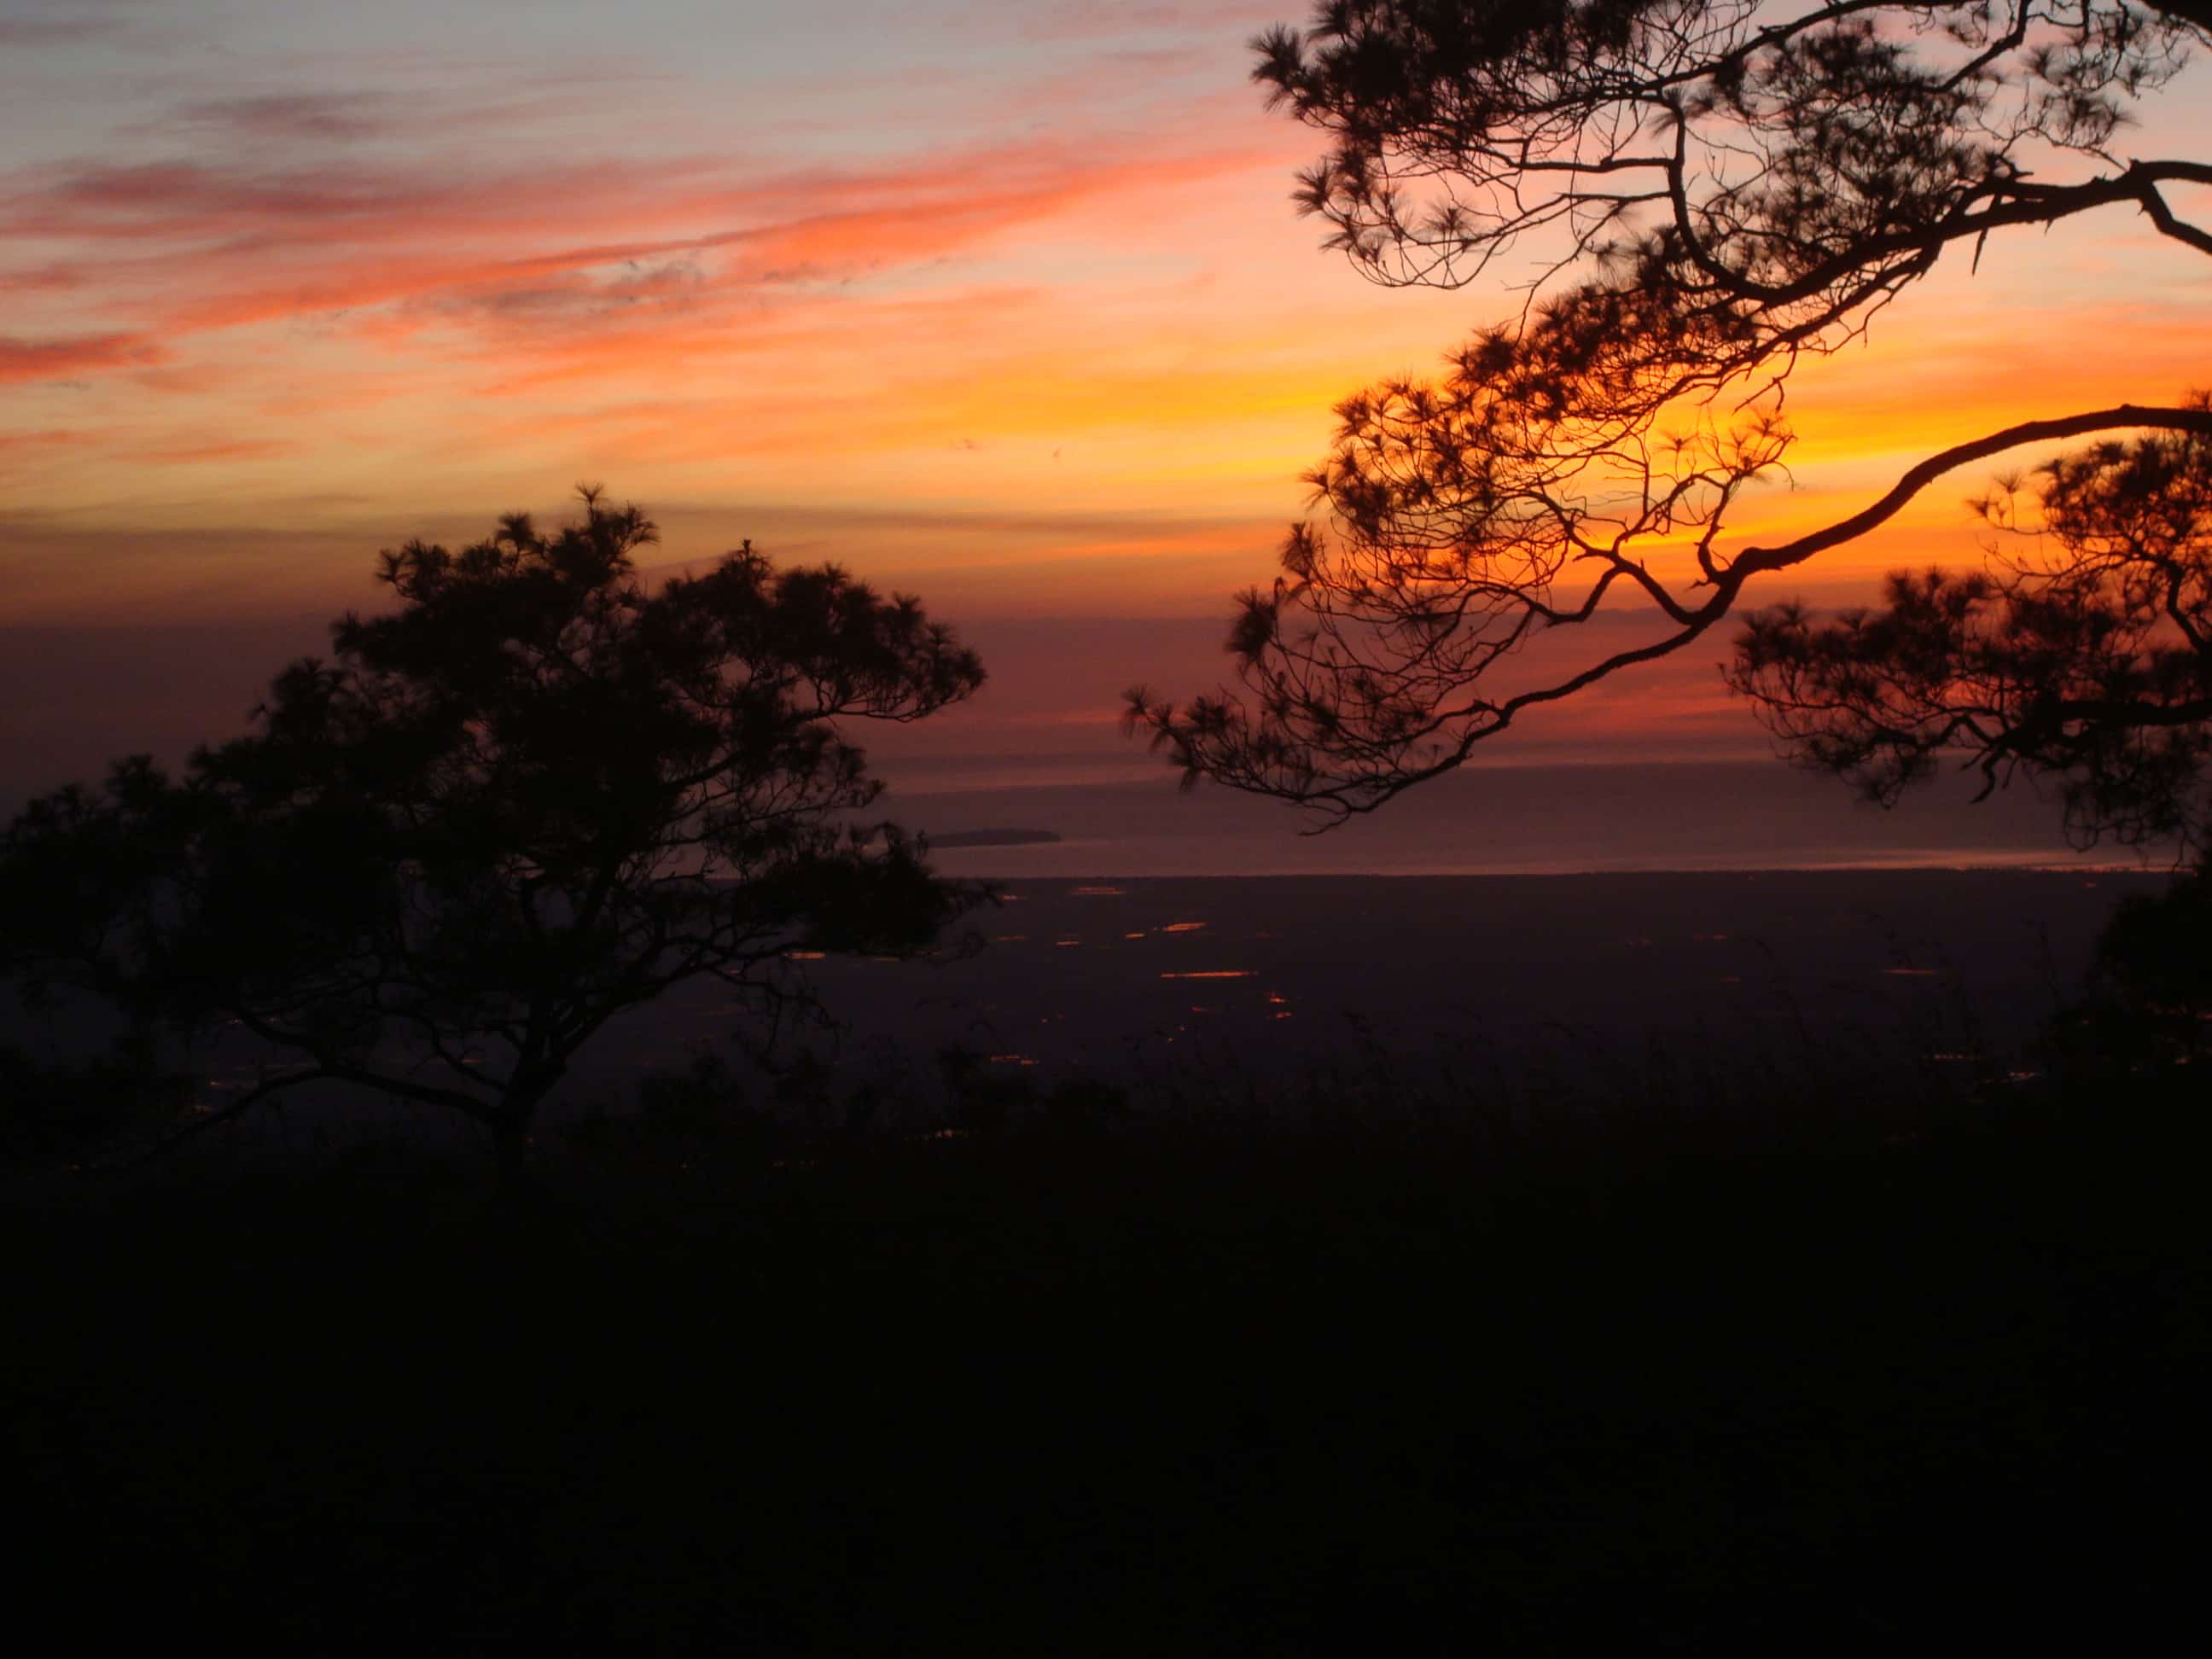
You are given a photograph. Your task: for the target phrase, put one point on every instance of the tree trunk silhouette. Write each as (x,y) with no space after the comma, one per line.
(510,1144)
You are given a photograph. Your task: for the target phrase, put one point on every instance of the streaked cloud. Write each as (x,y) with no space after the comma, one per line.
(26,33)
(68,358)
(311,117)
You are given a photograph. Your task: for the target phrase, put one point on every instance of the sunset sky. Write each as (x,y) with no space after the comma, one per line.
(1002,301)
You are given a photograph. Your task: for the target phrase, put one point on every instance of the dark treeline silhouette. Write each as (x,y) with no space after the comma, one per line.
(1730,187)
(1099,1383)
(533,795)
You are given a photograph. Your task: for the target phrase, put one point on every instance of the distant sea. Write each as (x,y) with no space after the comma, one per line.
(1503,820)
(1529,929)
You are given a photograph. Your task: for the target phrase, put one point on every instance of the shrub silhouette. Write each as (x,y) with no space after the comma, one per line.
(534,795)
(2153,949)
(54,1111)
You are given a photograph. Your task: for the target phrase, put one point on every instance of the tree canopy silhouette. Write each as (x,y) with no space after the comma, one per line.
(535,795)
(2086,657)
(1717,190)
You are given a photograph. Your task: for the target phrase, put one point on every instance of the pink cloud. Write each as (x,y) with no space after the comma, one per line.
(31,442)
(177,249)
(65,359)
(241,449)
(44,279)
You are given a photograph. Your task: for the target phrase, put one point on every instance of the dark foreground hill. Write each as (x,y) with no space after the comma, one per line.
(1100,1388)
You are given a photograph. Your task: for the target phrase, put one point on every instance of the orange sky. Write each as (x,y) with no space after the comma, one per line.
(1001,303)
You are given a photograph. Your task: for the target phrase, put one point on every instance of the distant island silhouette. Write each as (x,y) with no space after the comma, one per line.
(995,838)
